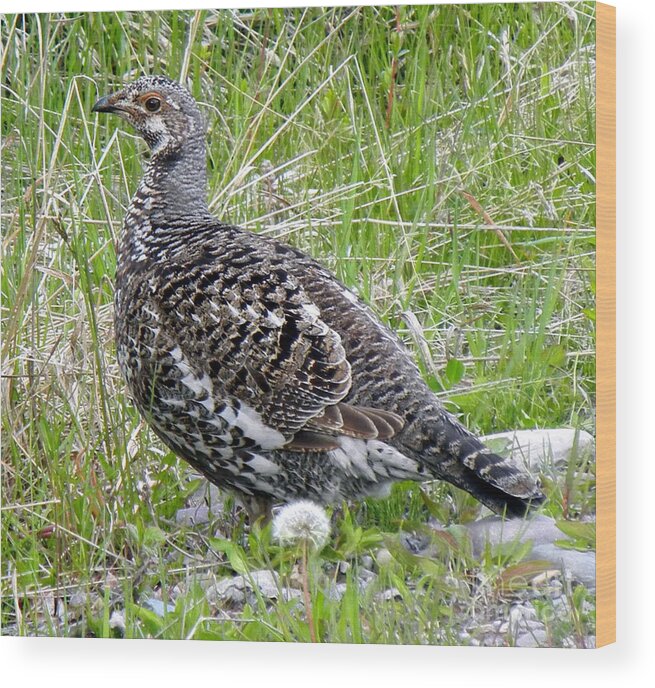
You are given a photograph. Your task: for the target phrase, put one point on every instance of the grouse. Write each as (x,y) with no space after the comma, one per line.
(253,363)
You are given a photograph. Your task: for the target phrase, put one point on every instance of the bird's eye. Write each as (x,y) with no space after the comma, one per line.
(153,104)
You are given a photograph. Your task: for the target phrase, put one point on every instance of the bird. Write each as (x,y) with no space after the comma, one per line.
(252,362)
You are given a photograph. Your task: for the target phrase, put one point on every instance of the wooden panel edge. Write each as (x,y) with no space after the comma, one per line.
(606,323)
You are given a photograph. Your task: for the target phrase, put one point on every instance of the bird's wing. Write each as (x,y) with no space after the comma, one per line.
(260,339)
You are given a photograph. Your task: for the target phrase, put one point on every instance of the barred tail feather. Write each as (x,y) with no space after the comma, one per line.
(458,457)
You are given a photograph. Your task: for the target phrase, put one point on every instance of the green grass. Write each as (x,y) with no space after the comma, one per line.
(383,141)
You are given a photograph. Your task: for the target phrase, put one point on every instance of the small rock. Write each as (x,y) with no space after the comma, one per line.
(237,589)
(522,617)
(207,494)
(157,606)
(117,620)
(383,556)
(537,637)
(389,594)
(494,530)
(416,543)
(543,533)
(81,600)
(111,582)
(366,576)
(579,566)
(336,591)
(231,590)
(192,516)
(267,581)
(78,599)
(179,590)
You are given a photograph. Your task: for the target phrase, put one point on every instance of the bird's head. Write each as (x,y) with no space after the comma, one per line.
(162,111)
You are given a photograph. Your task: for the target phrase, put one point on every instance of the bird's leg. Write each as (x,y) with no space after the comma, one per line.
(258,508)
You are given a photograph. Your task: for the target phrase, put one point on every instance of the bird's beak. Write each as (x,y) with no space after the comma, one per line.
(107,104)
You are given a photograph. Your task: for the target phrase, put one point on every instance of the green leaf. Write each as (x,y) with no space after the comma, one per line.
(153,537)
(153,622)
(579,530)
(233,553)
(554,356)
(454,371)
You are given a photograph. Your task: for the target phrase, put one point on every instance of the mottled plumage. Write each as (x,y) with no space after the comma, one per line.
(254,363)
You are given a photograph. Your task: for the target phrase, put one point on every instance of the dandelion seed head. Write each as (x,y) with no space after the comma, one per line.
(301,521)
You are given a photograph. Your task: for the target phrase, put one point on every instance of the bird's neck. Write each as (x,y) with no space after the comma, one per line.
(177,183)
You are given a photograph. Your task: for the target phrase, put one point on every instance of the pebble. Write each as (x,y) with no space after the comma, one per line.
(389,594)
(117,620)
(192,516)
(416,543)
(157,606)
(239,589)
(335,591)
(521,615)
(383,556)
(367,562)
(203,505)
(81,600)
(535,638)
(78,599)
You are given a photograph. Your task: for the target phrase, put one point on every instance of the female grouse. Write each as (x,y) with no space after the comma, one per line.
(254,363)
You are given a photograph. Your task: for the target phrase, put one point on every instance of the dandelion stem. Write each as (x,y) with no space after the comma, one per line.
(307,596)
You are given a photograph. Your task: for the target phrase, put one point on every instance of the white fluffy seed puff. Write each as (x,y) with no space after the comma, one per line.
(299,522)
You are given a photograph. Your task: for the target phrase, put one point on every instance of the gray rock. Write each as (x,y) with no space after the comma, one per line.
(534,638)
(365,576)
(267,581)
(82,600)
(157,606)
(416,543)
(78,599)
(540,448)
(383,557)
(336,591)
(231,590)
(496,531)
(578,566)
(389,594)
(207,495)
(522,617)
(542,532)
(204,505)
(238,589)
(192,516)
(516,627)
(117,620)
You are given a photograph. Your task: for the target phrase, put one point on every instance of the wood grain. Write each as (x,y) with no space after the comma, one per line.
(606,323)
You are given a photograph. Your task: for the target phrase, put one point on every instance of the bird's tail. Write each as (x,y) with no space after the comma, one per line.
(457,456)
(504,487)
